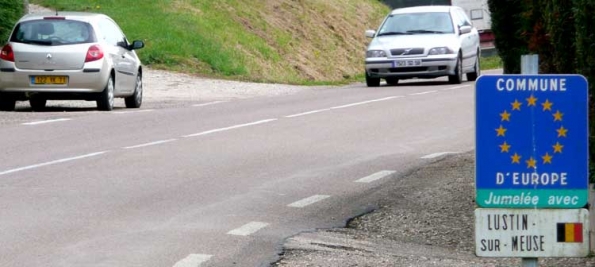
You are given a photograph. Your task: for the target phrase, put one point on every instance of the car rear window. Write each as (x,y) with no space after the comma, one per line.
(53,32)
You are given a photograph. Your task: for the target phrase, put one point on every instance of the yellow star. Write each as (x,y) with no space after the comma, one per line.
(504,147)
(547,158)
(516,158)
(501,131)
(547,105)
(516,105)
(531,101)
(558,116)
(531,163)
(505,116)
(562,131)
(558,148)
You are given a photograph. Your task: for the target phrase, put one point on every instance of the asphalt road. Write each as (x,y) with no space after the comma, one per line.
(213,184)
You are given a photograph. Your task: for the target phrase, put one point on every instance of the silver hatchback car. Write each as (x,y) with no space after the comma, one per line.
(69,55)
(423,42)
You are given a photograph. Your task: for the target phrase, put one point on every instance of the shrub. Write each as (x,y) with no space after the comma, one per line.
(10,12)
(507,26)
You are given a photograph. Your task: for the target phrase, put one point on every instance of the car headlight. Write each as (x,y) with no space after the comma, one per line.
(375,53)
(440,51)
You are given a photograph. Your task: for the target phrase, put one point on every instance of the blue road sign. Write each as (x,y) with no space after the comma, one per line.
(532,141)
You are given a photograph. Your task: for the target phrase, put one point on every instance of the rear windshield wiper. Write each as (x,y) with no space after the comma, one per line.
(41,42)
(392,33)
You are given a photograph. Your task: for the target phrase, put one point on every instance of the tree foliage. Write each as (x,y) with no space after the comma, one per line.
(10,12)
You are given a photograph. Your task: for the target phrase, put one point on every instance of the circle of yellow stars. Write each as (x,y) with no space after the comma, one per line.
(531,102)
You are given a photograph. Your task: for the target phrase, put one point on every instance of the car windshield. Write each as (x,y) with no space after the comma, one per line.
(417,23)
(53,32)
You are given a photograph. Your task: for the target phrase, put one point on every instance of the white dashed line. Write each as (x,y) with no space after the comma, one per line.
(230,128)
(248,229)
(151,144)
(51,163)
(456,87)
(193,260)
(308,201)
(366,102)
(210,103)
(307,113)
(374,177)
(435,155)
(424,93)
(43,122)
(132,111)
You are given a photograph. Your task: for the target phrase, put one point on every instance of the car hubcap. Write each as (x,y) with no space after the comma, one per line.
(139,89)
(110,92)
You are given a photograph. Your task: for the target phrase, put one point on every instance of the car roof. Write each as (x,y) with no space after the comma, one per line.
(419,9)
(83,16)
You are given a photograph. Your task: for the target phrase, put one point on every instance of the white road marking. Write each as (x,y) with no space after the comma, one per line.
(210,103)
(132,111)
(424,93)
(151,144)
(248,229)
(308,201)
(43,122)
(366,102)
(51,163)
(456,87)
(435,155)
(307,113)
(193,260)
(229,128)
(374,177)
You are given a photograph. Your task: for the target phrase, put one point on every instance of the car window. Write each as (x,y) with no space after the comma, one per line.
(53,32)
(463,19)
(427,22)
(112,33)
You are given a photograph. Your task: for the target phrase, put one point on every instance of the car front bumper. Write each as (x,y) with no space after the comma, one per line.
(430,67)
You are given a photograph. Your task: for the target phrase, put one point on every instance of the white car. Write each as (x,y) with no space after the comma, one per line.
(69,55)
(423,42)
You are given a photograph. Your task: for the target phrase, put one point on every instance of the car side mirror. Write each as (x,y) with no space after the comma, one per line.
(370,33)
(465,29)
(137,44)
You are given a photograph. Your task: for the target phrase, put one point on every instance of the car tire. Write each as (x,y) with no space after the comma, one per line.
(458,77)
(392,81)
(7,104)
(372,82)
(136,99)
(105,101)
(37,104)
(472,76)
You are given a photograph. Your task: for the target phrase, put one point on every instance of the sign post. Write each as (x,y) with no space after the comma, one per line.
(531,166)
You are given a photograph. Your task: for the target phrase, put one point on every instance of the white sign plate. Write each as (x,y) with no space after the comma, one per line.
(531,233)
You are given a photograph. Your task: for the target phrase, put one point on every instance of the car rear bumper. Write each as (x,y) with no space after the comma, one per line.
(77,81)
(430,67)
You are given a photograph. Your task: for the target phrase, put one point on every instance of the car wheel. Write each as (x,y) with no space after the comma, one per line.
(7,104)
(372,82)
(392,81)
(458,77)
(472,76)
(37,103)
(106,97)
(136,99)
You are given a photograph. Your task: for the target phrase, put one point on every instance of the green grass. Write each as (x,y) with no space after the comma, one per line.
(491,62)
(282,41)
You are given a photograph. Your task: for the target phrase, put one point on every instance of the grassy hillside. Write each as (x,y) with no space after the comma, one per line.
(287,41)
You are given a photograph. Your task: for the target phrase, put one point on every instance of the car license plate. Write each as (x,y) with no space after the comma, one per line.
(407,63)
(49,79)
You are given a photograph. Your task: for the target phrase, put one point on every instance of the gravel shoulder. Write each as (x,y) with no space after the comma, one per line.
(424,219)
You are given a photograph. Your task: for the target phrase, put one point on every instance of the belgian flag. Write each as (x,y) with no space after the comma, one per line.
(570,232)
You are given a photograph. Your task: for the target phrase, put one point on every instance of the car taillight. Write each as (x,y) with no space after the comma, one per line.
(6,53)
(94,53)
